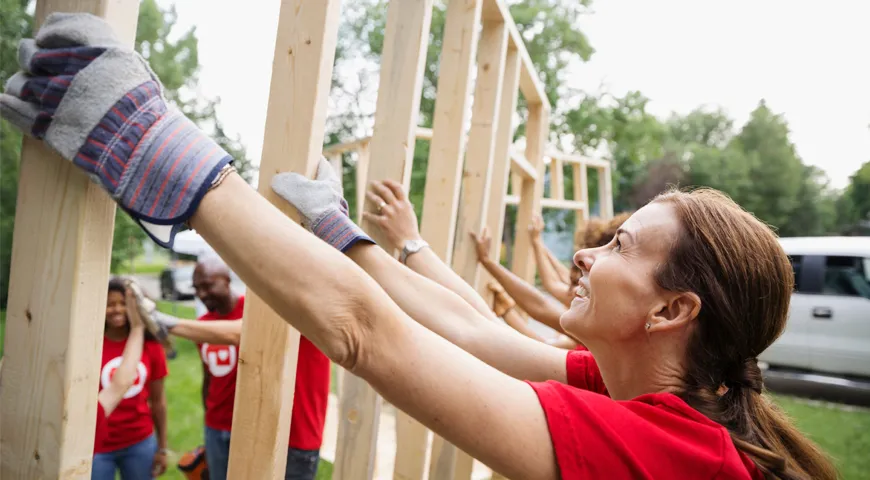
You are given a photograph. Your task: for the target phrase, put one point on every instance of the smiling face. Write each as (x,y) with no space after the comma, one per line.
(116,310)
(617,291)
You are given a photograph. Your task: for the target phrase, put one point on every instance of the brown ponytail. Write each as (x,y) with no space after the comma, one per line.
(744,279)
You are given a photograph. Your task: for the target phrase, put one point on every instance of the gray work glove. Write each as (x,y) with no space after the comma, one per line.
(322,206)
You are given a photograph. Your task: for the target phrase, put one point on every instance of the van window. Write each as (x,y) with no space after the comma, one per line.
(796,262)
(847,276)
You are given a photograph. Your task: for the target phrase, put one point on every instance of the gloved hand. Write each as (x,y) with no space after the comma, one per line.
(99,105)
(322,206)
(158,323)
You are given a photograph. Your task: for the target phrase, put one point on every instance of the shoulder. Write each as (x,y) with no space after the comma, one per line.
(582,371)
(597,437)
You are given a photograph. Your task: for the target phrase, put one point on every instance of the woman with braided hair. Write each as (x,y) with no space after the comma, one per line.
(675,308)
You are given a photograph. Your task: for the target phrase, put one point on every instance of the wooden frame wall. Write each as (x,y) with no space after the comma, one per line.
(57,331)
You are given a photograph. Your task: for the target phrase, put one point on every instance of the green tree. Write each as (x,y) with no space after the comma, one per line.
(776,171)
(853,207)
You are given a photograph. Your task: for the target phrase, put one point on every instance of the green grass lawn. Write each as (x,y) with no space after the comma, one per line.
(843,432)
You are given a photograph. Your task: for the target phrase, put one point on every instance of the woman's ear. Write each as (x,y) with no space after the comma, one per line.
(677,311)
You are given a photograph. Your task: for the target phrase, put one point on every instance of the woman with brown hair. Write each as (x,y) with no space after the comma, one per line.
(675,308)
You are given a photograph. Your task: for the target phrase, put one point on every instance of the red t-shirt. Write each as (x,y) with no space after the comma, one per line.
(130,422)
(310,399)
(652,436)
(102,426)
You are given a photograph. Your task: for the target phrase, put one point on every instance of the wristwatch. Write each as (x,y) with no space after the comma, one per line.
(411,247)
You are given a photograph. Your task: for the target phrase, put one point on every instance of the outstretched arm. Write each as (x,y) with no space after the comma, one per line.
(349,317)
(540,307)
(399,224)
(550,278)
(217,332)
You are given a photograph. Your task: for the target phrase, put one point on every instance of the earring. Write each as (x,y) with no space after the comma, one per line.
(647,326)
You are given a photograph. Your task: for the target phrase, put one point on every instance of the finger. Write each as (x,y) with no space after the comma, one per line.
(474,237)
(26,50)
(18,112)
(397,189)
(374,218)
(377,201)
(63,61)
(384,192)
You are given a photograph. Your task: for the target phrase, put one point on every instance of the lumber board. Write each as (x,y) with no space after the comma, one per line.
(501,164)
(605,192)
(443,178)
(581,194)
(61,249)
(447,150)
(477,173)
(406,40)
(530,84)
(521,165)
(537,129)
(575,159)
(292,141)
(557,179)
(362,175)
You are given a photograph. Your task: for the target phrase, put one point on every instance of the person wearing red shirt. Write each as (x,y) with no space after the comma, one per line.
(133,438)
(218,334)
(675,309)
(125,375)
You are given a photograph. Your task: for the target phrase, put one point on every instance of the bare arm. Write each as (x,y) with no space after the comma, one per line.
(350,318)
(550,278)
(217,332)
(126,373)
(540,307)
(399,224)
(563,271)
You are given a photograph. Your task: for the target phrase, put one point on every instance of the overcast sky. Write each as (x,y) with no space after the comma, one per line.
(809,60)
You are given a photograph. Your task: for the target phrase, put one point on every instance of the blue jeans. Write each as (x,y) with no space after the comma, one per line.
(301,464)
(134,462)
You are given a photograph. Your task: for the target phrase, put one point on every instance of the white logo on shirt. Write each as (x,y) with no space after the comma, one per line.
(108,372)
(220,359)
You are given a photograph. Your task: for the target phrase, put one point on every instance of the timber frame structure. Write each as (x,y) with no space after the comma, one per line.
(64,223)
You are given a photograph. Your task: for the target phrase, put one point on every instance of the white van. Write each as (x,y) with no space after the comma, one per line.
(828,329)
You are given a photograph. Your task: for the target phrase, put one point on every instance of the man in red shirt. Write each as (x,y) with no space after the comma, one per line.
(218,334)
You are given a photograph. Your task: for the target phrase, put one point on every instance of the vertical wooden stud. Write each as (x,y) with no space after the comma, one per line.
(59,274)
(406,40)
(293,138)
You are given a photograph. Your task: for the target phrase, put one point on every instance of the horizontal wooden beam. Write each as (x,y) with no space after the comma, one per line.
(576,159)
(424,133)
(352,146)
(550,203)
(520,165)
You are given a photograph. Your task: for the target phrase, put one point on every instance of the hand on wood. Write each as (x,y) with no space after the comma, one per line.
(395,214)
(536,227)
(482,244)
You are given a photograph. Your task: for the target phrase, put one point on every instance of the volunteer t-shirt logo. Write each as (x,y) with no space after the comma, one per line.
(220,359)
(109,371)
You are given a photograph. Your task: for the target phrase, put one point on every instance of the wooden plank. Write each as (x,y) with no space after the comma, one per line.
(61,250)
(424,133)
(471,217)
(581,194)
(446,152)
(537,128)
(576,159)
(530,84)
(443,178)
(337,148)
(557,179)
(362,175)
(555,203)
(501,164)
(605,194)
(406,40)
(520,165)
(511,199)
(517,183)
(293,139)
